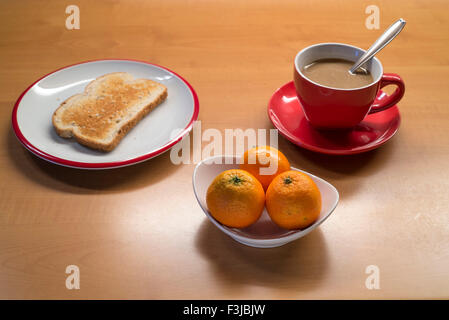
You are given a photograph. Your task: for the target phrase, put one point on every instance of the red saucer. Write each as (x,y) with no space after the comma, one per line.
(286,113)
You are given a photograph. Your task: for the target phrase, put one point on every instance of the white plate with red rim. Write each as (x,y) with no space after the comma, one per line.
(264,233)
(156,133)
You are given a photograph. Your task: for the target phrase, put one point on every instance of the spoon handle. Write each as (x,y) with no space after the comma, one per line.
(383,40)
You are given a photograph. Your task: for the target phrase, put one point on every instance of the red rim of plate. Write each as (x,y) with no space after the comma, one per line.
(295,140)
(103,165)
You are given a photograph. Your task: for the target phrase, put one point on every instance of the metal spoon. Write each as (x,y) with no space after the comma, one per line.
(380,43)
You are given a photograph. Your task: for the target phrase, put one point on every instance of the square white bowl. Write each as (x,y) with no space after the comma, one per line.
(264,233)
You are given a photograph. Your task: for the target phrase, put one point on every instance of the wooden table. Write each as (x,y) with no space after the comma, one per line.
(138,232)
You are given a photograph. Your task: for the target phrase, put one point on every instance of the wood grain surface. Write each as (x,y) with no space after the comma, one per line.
(138,232)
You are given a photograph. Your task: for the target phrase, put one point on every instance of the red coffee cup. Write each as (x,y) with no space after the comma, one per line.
(333,108)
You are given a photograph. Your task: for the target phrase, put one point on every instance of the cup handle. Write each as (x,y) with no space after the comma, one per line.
(391,100)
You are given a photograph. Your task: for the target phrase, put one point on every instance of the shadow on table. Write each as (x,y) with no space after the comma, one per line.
(84,181)
(301,264)
(346,172)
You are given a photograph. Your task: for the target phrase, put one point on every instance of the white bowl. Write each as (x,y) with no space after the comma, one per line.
(264,233)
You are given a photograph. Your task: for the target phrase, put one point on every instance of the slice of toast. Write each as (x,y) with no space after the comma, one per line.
(110,106)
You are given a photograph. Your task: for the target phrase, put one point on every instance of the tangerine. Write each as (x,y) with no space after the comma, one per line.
(293,200)
(264,163)
(235,198)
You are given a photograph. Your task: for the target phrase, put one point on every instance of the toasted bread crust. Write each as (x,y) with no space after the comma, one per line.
(124,127)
